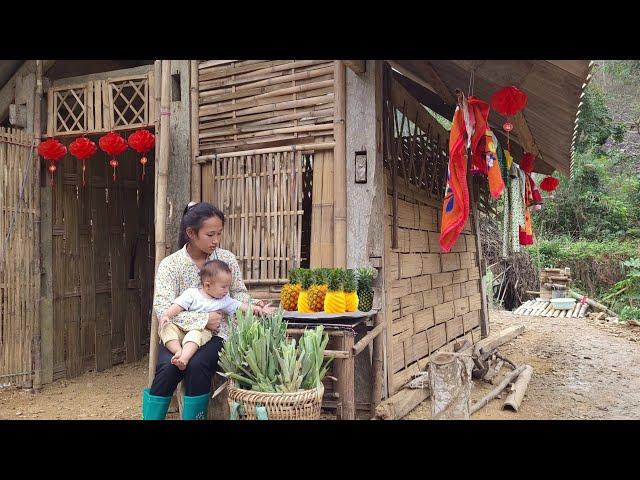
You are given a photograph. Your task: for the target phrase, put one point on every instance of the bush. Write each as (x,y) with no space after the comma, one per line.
(595,266)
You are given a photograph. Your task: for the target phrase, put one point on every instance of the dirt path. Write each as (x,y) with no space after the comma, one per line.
(582,369)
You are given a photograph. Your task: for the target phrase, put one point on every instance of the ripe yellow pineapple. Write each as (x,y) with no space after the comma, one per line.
(350,295)
(305,282)
(318,290)
(290,291)
(334,301)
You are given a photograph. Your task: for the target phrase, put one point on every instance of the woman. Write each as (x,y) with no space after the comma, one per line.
(200,233)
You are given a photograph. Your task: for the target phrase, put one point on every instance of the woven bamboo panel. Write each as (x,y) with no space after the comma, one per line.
(19,280)
(260,102)
(262,197)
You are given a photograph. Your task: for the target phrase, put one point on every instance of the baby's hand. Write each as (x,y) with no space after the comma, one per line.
(268,309)
(164,319)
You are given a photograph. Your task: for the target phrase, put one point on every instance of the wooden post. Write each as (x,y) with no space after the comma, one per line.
(161,202)
(345,370)
(196,168)
(340,171)
(484,312)
(377,365)
(36,351)
(450,382)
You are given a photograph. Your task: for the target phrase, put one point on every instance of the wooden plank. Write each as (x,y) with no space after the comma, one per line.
(70,271)
(499,338)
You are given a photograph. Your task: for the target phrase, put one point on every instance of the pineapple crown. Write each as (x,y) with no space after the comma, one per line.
(350,282)
(321,276)
(365,277)
(294,276)
(306,278)
(335,280)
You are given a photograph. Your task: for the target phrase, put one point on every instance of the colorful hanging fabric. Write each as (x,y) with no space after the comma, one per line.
(525,232)
(483,145)
(517,206)
(455,206)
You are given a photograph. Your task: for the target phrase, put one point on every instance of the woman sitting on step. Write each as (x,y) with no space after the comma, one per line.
(200,234)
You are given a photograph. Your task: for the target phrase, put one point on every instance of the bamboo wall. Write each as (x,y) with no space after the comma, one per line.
(432,298)
(19,280)
(103,263)
(256,120)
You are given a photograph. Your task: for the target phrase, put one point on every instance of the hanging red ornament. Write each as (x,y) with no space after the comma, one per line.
(113,144)
(52,151)
(526,163)
(508,101)
(82,148)
(142,141)
(549,184)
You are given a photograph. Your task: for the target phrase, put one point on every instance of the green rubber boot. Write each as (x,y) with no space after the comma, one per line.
(154,407)
(195,408)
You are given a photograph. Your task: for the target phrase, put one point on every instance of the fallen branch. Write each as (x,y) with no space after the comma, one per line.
(496,391)
(519,388)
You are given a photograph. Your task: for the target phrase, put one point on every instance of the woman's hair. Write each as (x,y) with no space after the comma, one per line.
(193,217)
(212,268)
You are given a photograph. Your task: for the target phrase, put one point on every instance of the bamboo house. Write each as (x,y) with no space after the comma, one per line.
(316,163)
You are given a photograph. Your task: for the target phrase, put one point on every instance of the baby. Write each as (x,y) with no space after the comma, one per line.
(212,296)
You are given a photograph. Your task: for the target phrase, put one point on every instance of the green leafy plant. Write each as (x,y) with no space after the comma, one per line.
(258,356)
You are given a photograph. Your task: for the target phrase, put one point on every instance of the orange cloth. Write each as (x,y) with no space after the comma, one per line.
(455,206)
(483,145)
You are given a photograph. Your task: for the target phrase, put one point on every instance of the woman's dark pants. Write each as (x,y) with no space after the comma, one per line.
(197,376)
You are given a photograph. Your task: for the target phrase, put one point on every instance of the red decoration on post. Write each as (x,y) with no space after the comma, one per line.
(526,164)
(508,101)
(82,148)
(52,151)
(113,144)
(142,141)
(549,184)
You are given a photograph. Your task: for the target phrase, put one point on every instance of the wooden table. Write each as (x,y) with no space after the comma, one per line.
(343,327)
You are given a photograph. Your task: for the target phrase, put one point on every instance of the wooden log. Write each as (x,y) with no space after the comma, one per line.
(556,313)
(519,388)
(496,391)
(593,303)
(583,310)
(450,382)
(500,338)
(368,338)
(400,404)
(493,371)
(161,202)
(37,131)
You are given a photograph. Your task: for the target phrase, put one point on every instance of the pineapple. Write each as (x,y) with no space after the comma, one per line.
(365,291)
(290,291)
(350,296)
(305,283)
(318,290)
(334,301)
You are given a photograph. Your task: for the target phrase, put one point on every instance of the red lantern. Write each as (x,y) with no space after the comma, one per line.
(526,164)
(52,151)
(549,184)
(82,148)
(142,141)
(113,144)
(508,101)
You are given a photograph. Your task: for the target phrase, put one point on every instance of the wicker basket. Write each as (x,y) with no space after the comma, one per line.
(302,405)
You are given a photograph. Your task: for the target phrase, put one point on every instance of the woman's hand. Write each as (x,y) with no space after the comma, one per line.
(214,321)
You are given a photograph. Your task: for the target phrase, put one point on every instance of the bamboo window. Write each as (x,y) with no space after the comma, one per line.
(262,197)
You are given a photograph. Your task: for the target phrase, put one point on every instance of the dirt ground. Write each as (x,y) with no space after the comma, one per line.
(582,369)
